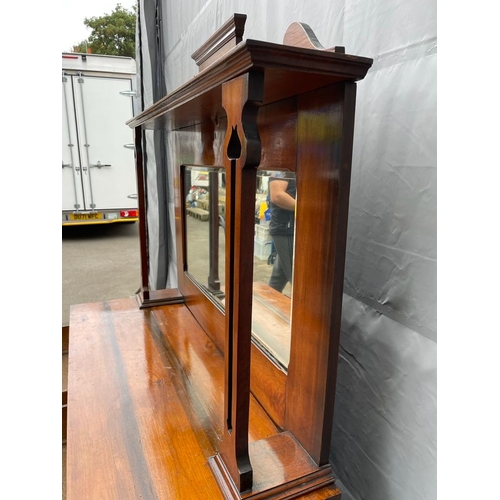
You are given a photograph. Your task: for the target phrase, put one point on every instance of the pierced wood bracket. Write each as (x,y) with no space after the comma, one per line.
(223,40)
(241,98)
(301,35)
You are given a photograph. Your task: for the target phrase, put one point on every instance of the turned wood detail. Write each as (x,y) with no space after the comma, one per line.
(240,98)
(301,35)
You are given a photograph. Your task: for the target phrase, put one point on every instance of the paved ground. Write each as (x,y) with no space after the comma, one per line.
(99,262)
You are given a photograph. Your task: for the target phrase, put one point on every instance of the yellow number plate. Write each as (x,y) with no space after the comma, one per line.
(92,216)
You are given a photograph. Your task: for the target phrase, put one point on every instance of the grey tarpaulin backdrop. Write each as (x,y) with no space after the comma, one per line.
(384,433)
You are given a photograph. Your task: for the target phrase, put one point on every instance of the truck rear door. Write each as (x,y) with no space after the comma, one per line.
(105,142)
(72,187)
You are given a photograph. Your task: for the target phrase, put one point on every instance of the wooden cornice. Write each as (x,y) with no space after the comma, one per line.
(248,55)
(223,40)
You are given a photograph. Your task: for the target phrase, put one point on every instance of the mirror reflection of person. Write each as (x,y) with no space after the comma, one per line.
(282,193)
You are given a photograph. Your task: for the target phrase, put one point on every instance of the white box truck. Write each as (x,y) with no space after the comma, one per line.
(99,183)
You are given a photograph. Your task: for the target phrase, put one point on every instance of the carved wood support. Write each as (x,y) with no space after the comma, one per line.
(240,98)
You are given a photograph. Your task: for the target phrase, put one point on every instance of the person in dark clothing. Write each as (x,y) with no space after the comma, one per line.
(282,191)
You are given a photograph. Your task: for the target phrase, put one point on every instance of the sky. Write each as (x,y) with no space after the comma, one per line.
(72,30)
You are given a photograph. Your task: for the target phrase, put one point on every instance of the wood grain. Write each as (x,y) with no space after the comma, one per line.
(133,430)
(325,131)
(223,40)
(289,71)
(221,388)
(301,35)
(283,470)
(142,400)
(241,98)
(202,366)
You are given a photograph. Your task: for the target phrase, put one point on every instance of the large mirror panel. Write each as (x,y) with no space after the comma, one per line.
(274,234)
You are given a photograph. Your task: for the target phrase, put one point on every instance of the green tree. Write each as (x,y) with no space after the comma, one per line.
(112,34)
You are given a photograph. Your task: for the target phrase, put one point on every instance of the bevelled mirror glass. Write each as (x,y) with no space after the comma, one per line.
(274,233)
(205,202)
(273,263)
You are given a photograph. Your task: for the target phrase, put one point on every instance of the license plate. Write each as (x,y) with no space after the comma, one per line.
(92,216)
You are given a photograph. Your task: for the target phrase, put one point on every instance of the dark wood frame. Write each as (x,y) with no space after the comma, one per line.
(260,91)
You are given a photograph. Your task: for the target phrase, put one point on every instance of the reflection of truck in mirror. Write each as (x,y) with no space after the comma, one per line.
(99,183)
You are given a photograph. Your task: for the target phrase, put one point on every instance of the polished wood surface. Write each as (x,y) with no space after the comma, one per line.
(277,124)
(144,411)
(201,144)
(268,385)
(271,322)
(282,470)
(268,106)
(65,352)
(202,366)
(323,182)
(301,35)
(223,40)
(241,98)
(268,378)
(289,71)
(135,427)
(65,339)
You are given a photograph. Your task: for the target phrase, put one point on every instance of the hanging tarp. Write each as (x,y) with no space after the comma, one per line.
(384,433)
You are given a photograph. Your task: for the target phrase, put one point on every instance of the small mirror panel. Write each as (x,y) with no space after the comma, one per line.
(273,263)
(205,201)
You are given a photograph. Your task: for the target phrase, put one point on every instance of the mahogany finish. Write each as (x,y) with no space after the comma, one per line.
(65,348)
(65,339)
(139,166)
(240,98)
(273,480)
(179,400)
(64,416)
(301,35)
(323,173)
(224,39)
(144,410)
(289,71)
(202,367)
